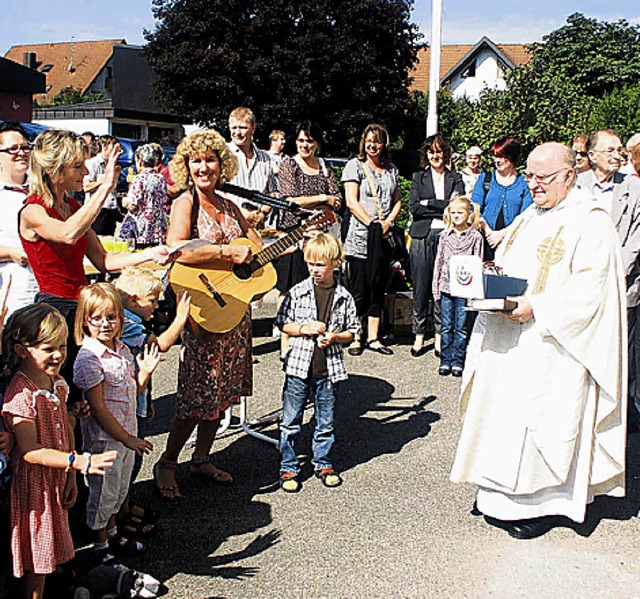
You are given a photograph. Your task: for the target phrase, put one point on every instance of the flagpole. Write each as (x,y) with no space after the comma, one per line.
(434,73)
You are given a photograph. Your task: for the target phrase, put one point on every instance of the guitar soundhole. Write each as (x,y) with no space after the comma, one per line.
(242,271)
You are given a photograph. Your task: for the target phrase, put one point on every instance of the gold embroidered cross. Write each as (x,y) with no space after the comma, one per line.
(550,252)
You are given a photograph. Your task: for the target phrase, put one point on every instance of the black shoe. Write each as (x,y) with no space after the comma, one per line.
(531,529)
(356,350)
(444,370)
(474,510)
(416,353)
(379,348)
(436,353)
(455,371)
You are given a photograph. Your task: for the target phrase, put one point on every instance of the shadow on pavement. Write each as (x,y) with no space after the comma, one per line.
(615,508)
(370,422)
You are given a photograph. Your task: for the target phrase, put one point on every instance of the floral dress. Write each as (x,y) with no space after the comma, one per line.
(148,193)
(40,535)
(215,368)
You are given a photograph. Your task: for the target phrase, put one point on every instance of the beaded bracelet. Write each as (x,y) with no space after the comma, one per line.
(72,459)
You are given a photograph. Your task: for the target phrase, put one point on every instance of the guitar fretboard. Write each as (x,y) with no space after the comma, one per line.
(275,249)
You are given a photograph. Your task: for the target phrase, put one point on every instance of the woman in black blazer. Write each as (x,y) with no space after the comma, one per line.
(431,190)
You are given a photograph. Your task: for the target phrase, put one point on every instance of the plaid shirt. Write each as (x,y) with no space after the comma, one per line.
(97,364)
(299,307)
(467,243)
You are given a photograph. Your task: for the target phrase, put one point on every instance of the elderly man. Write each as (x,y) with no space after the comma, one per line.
(15,151)
(256,168)
(543,393)
(619,195)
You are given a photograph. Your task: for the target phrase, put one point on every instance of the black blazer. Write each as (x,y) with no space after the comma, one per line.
(422,189)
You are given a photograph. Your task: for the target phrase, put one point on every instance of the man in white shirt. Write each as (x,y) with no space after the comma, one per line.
(256,168)
(105,223)
(277,141)
(15,151)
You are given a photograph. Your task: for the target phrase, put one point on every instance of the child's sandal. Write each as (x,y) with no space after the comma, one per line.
(289,482)
(329,477)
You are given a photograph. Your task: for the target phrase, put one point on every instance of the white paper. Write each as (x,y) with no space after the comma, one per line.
(465,277)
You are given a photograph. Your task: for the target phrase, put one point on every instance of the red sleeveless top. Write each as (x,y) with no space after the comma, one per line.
(58,267)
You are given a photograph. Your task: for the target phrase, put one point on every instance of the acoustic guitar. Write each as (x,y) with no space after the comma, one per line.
(221,291)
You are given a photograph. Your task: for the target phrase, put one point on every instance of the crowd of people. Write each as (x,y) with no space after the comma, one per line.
(546,388)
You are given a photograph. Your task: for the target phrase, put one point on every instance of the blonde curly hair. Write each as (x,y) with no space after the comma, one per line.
(199,143)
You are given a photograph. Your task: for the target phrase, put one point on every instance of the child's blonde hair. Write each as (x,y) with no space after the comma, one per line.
(91,298)
(324,246)
(30,326)
(137,280)
(472,208)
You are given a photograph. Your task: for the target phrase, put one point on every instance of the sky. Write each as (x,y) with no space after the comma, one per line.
(464,21)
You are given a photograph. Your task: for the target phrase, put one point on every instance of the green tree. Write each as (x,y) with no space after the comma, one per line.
(70,95)
(596,56)
(582,76)
(343,63)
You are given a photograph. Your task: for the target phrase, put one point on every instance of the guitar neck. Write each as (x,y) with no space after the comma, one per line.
(275,249)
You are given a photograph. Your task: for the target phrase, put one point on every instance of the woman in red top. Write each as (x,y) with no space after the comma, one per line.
(56,231)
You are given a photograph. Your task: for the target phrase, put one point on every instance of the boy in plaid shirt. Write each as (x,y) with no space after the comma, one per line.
(320,316)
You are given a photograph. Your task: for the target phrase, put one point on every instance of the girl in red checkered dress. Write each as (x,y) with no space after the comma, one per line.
(43,486)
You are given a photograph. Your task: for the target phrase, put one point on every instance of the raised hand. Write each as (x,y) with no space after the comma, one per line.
(112,170)
(149,359)
(184,303)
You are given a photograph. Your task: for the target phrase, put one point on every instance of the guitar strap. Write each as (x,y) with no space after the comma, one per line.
(195,208)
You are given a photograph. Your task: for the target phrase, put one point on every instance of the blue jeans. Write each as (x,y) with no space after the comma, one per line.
(294,397)
(454,332)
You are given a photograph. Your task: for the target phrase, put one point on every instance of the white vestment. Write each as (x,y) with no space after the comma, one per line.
(544,402)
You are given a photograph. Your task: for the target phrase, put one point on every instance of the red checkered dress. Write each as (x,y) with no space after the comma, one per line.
(40,536)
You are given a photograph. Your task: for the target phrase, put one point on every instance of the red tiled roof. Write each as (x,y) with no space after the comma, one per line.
(86,58)
(451,55)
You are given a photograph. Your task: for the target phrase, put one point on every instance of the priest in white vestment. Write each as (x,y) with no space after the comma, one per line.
(544,388)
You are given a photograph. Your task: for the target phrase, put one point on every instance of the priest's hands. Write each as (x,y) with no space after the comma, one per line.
(523,313)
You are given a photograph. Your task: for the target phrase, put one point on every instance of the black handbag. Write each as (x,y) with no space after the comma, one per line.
(394,245)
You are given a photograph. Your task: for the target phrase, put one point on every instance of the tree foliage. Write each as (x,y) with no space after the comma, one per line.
(70,95)
(343,63)
(582,77)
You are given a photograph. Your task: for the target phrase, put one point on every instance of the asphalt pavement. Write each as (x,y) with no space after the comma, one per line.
(396,528)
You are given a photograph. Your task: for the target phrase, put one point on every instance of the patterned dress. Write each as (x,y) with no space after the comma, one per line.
(148,193)
(40,536)
(215,368)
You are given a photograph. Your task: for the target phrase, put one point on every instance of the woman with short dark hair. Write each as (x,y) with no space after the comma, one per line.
(507,194)
(431,190)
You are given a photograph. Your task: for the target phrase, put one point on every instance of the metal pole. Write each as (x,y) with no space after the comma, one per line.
(434,74)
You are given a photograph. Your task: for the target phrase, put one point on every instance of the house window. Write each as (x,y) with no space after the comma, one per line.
(469,70)
(127,130)
(46,68)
